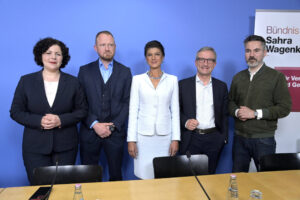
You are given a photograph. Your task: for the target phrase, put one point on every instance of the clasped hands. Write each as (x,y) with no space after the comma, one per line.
(50,121)
(102,129)
(244,113)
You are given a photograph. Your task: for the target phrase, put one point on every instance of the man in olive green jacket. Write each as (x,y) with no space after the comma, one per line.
(258,97)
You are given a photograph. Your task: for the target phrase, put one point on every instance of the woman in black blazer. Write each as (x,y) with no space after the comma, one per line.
(49,104)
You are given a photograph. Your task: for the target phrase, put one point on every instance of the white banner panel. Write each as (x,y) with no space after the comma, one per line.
(281,29)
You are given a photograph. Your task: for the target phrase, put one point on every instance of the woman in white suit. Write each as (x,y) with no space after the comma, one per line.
(153,128)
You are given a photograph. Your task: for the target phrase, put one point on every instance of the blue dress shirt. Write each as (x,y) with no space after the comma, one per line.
(106,72)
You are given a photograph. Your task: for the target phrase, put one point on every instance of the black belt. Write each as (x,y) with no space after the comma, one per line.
(205,131)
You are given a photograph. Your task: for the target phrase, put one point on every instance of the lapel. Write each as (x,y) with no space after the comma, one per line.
(40,89)
(114,77)
(147,80)
(215,93)
(60,89)
(162,79)
(95,73)
(192,86)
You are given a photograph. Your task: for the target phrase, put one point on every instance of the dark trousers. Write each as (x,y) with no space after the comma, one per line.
(210,144)
(113,149)
(246,148)
(34,160)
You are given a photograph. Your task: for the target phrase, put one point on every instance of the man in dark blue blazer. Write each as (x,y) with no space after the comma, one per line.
(203,110)
(107,86)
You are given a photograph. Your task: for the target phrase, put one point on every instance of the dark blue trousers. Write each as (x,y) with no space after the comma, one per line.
(34,160)
(113,148)
(210,144)
(246,148)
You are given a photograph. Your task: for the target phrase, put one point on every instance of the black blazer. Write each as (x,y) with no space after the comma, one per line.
(30,104)
(187,99)
(90,78)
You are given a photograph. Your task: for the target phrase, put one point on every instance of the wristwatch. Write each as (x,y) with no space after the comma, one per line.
(255,114)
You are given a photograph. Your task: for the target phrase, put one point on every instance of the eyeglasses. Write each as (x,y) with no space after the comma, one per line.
(208,60)
(110,45)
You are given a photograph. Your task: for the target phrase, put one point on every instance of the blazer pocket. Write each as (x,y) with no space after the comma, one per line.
(37,141)
(145,126)
(164,127)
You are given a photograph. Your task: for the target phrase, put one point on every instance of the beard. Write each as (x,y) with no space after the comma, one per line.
(107,56)
(253,62)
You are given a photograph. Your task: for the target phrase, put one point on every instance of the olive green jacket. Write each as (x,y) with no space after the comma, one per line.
(267,91)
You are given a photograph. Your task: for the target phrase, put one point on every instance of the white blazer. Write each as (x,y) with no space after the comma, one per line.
(153,110)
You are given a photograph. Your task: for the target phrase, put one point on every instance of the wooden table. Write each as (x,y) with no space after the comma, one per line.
(273,185)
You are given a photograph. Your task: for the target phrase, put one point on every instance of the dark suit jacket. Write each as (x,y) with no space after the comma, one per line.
(30,104)
(90,78)
(187,99)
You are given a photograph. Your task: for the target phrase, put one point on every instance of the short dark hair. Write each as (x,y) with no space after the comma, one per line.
(103,32)
(255,38)
(154,44)
(44,44)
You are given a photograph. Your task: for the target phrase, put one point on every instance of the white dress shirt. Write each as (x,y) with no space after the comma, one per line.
(51,89)
(204,105)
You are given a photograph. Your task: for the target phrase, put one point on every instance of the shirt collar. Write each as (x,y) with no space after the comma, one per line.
(110,65)
(199,81)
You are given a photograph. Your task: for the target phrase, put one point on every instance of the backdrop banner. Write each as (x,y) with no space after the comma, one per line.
(281,29)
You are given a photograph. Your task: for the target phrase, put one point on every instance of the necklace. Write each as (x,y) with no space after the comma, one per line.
(155,78)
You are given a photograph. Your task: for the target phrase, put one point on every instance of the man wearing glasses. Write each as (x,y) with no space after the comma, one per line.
(204,110)
(107,86)
(258,97)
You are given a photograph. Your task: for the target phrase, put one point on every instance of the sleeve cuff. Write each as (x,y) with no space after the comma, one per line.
(236,112)
(186,123)
(259,114)
(93,124)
